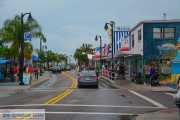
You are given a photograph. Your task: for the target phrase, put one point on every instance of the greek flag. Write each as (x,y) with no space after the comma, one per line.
(119,36)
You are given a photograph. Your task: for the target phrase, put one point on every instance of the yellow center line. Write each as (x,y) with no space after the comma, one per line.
(64,94)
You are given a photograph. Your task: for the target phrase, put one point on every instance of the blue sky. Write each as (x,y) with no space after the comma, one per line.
(69,23)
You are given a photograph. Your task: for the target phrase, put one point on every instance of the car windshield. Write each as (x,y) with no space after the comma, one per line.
(89,59)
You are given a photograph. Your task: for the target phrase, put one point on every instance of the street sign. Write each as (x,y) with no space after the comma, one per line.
(27,36)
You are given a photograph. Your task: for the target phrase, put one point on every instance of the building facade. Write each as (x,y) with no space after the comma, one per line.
(154,40)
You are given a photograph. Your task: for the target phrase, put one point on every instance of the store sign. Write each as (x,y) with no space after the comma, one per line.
(121,37)
(27,36)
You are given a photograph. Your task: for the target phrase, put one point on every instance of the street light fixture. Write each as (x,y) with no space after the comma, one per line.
(111,25)
(21,56)
(98,37)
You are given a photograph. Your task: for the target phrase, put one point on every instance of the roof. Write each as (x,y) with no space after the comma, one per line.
(156,21)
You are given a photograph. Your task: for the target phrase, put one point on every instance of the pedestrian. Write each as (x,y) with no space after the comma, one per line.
(16,72)
(146,72)
(152,75)
(30,72)
(97,70)
(36,72)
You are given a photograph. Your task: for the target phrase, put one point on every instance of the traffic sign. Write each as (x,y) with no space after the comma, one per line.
(27,36)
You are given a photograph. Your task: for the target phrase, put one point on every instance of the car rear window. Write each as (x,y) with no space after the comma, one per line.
(88,73)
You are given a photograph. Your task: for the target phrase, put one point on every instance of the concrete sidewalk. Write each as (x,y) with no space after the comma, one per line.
(168,114)
(138,87)
(12,87)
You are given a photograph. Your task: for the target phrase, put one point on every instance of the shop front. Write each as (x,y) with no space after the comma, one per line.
(6,71)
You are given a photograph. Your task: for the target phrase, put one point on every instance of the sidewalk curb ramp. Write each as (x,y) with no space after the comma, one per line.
(109,82)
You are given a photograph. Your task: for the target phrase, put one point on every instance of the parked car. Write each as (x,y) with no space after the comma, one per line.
(87,78)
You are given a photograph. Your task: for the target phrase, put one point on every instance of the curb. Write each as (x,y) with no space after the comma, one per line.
(114,85)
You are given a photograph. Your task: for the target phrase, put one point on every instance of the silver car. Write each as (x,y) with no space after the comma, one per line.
(87,78)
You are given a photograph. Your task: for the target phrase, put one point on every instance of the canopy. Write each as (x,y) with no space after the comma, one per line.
(3,61)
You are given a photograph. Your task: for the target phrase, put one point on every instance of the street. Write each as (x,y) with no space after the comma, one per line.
(63,101)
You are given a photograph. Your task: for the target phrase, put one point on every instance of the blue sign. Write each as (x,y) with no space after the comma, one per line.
(27,36)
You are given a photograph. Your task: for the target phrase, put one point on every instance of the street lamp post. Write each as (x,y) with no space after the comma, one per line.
(106,27)
(21,56)
(98,37)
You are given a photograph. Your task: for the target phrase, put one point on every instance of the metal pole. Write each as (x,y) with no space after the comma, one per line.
(112,52)
(41,55)
(100,52)
(112,43)
(142,77)
(21,56)
(40,45)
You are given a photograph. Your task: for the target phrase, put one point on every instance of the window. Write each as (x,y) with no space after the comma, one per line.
(157,33)
(132,38)
(164,33)
(139,35)
(169,33)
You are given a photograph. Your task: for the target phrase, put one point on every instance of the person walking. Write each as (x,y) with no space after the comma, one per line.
(147,75)
(30,72)
(97,70)
(16,72)
(36,72)
(152,75)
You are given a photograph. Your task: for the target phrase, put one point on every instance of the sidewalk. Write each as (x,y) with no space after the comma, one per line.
(138,87)
(169,114)
(12,87)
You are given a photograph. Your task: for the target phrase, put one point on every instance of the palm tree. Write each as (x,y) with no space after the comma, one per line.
(81,54)
(11,34)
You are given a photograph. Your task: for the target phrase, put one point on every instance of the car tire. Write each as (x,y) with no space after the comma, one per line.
(79,86)
(97,86)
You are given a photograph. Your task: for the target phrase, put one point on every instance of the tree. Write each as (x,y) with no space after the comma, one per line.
(52,57)
(11,34)
(81,54)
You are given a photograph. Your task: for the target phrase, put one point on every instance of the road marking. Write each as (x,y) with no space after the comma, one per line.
(81,105)
(43,90)
(91,113)
(147,99)
(67,92)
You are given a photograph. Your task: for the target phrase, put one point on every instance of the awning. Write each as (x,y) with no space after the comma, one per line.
(35,58)
(124,49)
(3,61)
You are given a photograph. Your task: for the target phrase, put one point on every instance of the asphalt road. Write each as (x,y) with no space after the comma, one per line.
(71,103)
